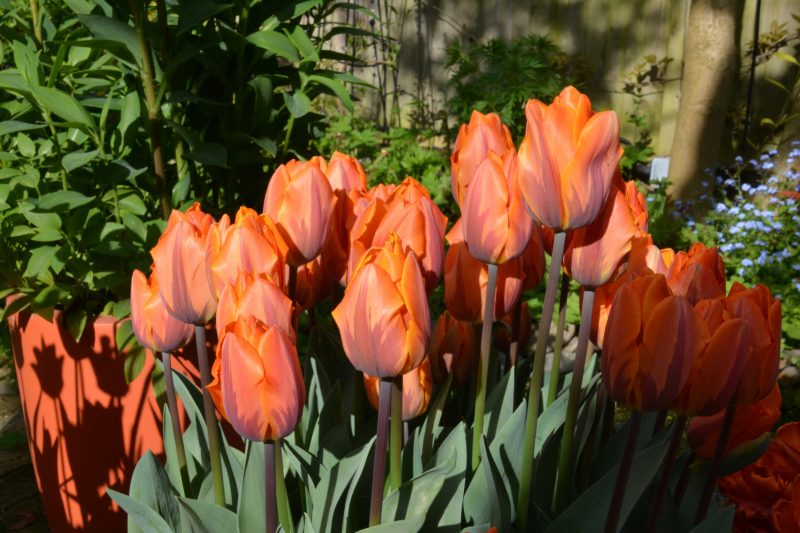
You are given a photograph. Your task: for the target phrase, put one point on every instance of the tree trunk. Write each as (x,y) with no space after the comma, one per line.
(709,73)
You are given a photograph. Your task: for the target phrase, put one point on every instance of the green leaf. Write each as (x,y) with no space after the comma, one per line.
(276,43)
(250,511)
(719,519)
(499,499)
(40,220)
(142,516)
(25,146)
(76,322)
(297,103)
(193,12)
(150,486)
(211,154)
(16,306)
(499,404)
(777,84)
(134,363)
(393,527)
(13,126)
(27,62)
(116,31)
(74,160)
(136,226)
(304,44)
(199,515)
(63,105)
(47,235)
(336,87)
(44,258)
(788,58)
(63,200)
(444,514)
(430,429)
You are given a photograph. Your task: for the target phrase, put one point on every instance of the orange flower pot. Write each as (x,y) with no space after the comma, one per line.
(86,426)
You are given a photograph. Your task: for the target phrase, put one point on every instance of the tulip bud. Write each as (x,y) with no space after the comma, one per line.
(299,200)
(417,390)
(180,259)
(384,318)
(698,274)
(651,341)
(453,349)
(258,380)
(567,159)
(154,327)
(475,140)
(255,295)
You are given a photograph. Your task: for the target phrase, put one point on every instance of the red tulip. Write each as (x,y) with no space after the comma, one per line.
(299,200)
(475,140)
(650,343)
(698,274)
(417,390)
(257,377)
(249,245)
(154,327)
(384,318)
(180,259)
(496,225)
(786,513)
(453,349)
(255,295)
(567,159)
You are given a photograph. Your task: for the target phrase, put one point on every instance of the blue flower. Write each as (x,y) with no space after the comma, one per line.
(747,262)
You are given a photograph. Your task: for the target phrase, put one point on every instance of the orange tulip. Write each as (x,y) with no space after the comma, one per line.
(417,390)
(251,244)
(314,283)
(715,373)
(698,274)
(750,422)
(475,140)
(299,200)
(762,314)
(180,259)
(345,173)
(255,295)
(383,318)
(496,225)
(651,341)
(594,253)
(409,212)
(453,349)
(567,159)
(154,327)
(258,380)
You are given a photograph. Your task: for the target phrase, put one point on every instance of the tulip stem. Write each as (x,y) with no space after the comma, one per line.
(669,462)
(284,510)
(210,415)
(552,390)
(396,434)
(379,466)
(535,390)
(483,368)
(516,318)
(269,485)
(177,434)
(683,481)
(573,402)
(618,497)
(716,463)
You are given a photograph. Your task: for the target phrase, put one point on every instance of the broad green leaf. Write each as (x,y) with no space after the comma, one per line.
(74,160)
(198,515)
(26,61)
(211,154)
(276,43)
(26,146)
(44,258)
(63,105)
(134,363)
(144,518)
(301,41)
(76,322)
(61,201)
(193,12)
(39,220)
(20,303)
(405,526)
(150,486)
(47,235)
(499,499)
(336,87)
(430,429)
(788,58)
(13,126)
(414,497)
(444,514)
(136,226)
(111,29)
(499,404)
(297,103)
(250,510)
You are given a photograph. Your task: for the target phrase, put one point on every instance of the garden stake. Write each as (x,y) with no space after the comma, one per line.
(573,402)
(269,485)
(379,466)
(552,390)
(534,393)
(713,472)
(177,434)
(396,434)
(669,462)
(624,473)
(483,369)
(210,416)
(284,510)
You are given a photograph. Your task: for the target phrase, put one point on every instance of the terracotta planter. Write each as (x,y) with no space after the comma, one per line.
(86,426)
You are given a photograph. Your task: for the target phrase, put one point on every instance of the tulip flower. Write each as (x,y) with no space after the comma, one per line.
(249,245)
(314,283)
(259,380)
(698,274)
(345,173)
(154,327)
(453,349)
(384,318)
(180,259)
(258,296)
(496,225)
(504,336)
(750,422)
(417,390)
(299,200)
(594,252)
(567,160)
(762,314)
(475,140)
(786,513)
(651,341)
(409,212)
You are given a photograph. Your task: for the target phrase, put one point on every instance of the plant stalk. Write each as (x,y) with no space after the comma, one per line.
(535,391)
(210,416)
(716,463)
(669,463)
(516,318)
(573,402)
(269,485)
(683,481)
(177,434)
(396,434)
(483,368)
(552,390)
(284,509)
(37,22)
(624,473)
(379,466)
